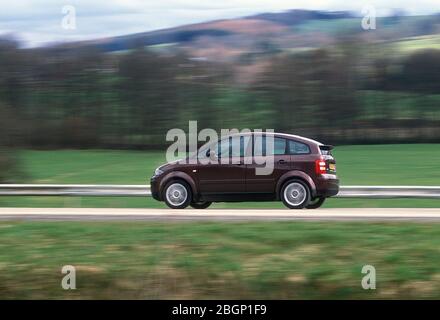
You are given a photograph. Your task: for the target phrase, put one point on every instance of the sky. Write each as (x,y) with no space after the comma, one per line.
(37,23)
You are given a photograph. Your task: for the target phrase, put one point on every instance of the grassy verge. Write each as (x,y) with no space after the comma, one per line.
(265,260)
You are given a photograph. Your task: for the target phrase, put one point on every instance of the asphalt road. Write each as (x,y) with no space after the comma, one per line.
(336,214)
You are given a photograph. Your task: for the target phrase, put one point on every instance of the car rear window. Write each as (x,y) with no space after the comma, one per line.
(296,147)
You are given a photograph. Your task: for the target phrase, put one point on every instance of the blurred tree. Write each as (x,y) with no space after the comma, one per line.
(283,84)
(421,71)
(10,101)
(11,73)
(313,89)
(148,89)
(421,74)
(80,97)
(9,168)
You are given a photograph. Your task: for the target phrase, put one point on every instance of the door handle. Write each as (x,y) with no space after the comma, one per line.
(282,161)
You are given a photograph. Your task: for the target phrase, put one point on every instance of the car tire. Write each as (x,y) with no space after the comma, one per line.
(316,203)
(295,194)
(177,194)
(200,204)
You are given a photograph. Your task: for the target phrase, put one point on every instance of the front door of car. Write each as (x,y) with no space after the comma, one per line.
(226,172)
(272,161)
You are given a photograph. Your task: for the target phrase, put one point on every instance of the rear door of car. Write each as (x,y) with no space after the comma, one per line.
(267,155)
(301,156)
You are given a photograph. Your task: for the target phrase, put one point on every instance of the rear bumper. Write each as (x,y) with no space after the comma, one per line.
(327,185)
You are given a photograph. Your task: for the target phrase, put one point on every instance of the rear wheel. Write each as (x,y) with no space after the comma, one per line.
(200,204)
(315,203)
(177,194)
(295,194)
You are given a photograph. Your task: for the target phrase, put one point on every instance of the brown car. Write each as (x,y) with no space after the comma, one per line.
(303,173)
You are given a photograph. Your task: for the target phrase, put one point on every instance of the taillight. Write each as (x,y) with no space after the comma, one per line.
(320,166)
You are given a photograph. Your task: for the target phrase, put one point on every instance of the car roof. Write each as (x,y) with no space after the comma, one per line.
(277,134)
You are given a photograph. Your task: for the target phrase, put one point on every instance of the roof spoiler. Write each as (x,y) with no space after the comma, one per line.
(326,147)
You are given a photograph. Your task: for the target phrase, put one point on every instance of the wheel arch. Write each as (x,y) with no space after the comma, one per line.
(298,175)
(178,175)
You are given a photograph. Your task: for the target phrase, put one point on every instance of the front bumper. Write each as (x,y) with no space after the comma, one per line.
(154,188)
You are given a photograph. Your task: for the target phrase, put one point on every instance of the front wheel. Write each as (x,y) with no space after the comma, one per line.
(316,203)
(177,195)
(200,205)
(295,194)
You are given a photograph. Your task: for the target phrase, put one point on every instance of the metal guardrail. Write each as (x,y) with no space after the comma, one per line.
(79,190)
(389,192)
(84,190)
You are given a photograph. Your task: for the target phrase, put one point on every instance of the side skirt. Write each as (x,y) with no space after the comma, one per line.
(237,197)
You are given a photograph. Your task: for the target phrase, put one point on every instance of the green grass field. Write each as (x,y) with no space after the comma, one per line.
(201,260)
(266,260)
(411,164)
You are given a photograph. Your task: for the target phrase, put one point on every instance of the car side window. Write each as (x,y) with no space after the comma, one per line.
(279,146)
(259,143)
(223,148)
(236,146)
(246,145)
(232,146)
(295,147)
(215,147)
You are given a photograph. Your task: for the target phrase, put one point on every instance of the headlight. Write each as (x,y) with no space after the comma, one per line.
(158,172)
